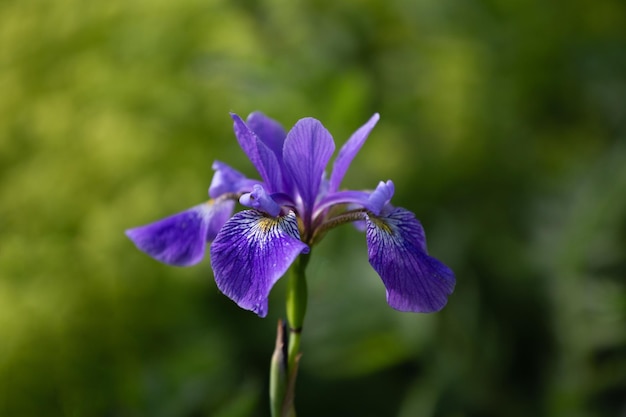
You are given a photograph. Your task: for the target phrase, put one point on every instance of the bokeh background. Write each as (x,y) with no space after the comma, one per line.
(503,126)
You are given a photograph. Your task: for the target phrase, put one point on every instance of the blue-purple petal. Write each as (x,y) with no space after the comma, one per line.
(181,239)
(228,180)
(272,175)
(357,199)
(306,153)
(269,131)
(414,280)
(248,141)
(349,150)
(380,197)
(262,157)
(220,211)
(251,252)
(373,201)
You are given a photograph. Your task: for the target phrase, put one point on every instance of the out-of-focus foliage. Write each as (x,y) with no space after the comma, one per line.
(503,126)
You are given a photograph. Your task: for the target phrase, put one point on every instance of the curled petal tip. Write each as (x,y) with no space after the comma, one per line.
(380,197)
(349,150)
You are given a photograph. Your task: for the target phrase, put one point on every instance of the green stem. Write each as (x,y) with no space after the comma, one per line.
(278,374)
(296,306)
(296,310)
(284,371)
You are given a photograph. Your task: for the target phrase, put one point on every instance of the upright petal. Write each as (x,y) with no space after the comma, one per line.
(308,148)
(251,252)
(349,150)
(269,131)
(273,174)
(262,157)
(414,280)
(181,239)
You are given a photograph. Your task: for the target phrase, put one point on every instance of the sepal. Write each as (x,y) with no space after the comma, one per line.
(414,280)
(251,252)
(181,239)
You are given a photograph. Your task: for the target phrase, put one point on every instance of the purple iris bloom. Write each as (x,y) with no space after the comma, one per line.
(290,209)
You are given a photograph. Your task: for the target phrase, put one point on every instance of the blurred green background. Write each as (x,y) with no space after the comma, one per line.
(503,126)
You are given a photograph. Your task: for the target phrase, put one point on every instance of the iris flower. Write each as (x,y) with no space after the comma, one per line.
(289,210)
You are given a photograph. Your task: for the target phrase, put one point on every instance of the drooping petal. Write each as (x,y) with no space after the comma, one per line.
(307,149)
(261,156)
(349,150)
(228,180)
(259,199)
(181,239)
(414,280)
(251,252)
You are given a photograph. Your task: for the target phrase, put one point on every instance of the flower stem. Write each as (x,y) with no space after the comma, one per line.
(296,306)
(284,370)
(278,374)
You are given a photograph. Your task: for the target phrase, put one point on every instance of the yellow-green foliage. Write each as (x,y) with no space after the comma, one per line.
(502,125)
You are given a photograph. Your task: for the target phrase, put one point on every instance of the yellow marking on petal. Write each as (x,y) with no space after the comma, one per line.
(267,223)
(300,226)
(381,225)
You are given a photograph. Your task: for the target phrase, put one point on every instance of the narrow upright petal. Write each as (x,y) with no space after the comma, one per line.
(272,134)
(349,150)
(262,157)
(414,280)
(269,131)
(251,252)
(307,150)
(181,239)
(273,175)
